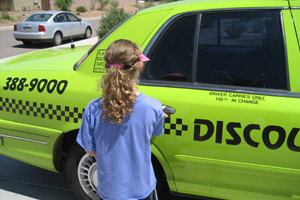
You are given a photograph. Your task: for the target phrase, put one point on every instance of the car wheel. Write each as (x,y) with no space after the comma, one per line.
(81,171)
(28,43)
(57,39)
(88,33)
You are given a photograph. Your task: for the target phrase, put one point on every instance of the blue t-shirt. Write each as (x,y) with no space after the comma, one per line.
(125,170)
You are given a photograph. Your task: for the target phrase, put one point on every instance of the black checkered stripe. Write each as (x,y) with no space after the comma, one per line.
(178,127)
(43,110)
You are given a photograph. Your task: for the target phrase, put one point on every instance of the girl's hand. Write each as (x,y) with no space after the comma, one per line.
(165,115)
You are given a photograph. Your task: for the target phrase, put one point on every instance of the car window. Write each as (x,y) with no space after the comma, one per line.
(60,18)
(230,48)
(171,57)
(38,18)
(72,18)
(55,19)
(242,49)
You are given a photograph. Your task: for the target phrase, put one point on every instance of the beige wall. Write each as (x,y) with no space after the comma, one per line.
(88,4)
(19,5)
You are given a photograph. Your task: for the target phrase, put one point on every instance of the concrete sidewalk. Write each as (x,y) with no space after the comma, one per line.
(90,41)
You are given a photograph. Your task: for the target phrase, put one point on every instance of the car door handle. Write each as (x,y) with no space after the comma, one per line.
(169,110)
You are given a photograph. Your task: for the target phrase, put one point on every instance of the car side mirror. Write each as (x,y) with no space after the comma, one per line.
(79,19)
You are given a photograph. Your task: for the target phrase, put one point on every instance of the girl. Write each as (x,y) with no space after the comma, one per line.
(117,128)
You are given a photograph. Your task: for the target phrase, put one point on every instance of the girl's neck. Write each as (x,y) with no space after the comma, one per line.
(135,90)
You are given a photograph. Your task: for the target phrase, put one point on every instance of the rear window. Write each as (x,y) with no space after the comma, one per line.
(38,18)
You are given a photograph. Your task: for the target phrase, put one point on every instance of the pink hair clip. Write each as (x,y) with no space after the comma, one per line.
(142,58)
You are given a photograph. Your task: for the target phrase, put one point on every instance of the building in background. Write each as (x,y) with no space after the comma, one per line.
(24,5)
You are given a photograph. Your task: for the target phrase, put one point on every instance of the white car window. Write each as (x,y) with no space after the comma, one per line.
(38,18)
(61,18)
(72,18)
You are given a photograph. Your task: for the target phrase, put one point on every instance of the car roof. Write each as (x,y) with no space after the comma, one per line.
(51,12)
(193,5)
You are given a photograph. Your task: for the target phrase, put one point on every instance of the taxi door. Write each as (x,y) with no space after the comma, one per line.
(235,132)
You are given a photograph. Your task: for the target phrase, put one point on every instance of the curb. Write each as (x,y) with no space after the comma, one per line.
(11,195)
(90,41)
(91,18)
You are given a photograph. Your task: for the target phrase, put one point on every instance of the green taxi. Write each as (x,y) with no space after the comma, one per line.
(229,68)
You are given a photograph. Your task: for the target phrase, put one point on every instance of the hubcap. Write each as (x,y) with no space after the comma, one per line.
(87,175)
(57,39)
(88,33)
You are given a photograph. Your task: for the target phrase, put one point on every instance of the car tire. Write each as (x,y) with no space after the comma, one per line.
(88,33)
(81,171)
(57,39)
(27,43)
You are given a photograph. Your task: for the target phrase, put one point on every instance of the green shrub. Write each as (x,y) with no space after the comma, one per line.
(114,3)
(113,17)
(62,5)
(103,3)
(4,14)
(6,17)
(81,9)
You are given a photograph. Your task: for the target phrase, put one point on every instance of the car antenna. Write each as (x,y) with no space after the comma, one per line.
(72,44)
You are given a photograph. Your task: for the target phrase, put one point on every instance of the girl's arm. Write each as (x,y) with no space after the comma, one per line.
(92,153)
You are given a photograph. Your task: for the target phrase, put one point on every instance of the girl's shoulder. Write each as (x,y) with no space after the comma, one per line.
(95,102)
(144,99)
(93,105)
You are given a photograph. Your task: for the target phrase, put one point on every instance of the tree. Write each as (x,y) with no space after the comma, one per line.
(63,4)
(113,17)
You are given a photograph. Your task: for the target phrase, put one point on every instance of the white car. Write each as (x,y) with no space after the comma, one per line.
(51,27)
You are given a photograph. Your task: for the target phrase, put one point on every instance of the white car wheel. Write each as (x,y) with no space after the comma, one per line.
(57,39)
(81,171)
(88,33)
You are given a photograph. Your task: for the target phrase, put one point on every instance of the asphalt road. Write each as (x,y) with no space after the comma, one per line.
(11,47)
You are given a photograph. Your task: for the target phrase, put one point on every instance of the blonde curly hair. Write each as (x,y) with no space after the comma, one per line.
(122,62)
